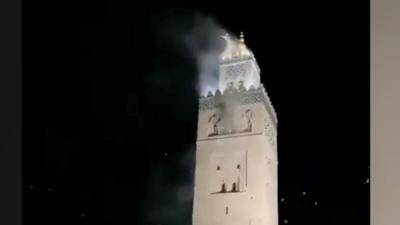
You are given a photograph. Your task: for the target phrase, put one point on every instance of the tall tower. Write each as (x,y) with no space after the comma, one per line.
(236,179)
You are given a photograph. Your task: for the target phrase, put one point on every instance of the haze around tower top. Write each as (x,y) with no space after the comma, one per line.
(207,41)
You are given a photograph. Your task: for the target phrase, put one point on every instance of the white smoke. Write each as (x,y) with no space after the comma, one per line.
(205,43)
(209,42)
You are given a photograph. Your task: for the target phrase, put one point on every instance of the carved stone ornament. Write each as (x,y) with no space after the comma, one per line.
(250,96)
(213,122)
(248,116)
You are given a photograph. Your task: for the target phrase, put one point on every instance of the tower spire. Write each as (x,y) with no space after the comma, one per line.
(241,38)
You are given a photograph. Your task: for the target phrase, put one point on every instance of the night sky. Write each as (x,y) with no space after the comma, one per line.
(113,140)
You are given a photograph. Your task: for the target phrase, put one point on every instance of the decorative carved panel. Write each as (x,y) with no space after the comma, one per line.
(244,124)
(251,96)
(228,172)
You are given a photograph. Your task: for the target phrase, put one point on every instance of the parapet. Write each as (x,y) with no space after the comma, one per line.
(244,96)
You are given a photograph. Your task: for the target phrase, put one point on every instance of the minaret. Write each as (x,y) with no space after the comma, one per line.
(236,179)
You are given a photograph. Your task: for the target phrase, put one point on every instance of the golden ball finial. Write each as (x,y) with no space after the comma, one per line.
(241,36)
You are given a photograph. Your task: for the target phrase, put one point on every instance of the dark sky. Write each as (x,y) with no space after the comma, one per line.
(112,141)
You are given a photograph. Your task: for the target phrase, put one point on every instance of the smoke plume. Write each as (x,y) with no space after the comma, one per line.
(205,43)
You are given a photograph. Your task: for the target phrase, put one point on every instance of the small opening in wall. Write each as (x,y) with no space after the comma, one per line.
(218,168)
(226,210)
(223,188)
(238,166)
(234,188)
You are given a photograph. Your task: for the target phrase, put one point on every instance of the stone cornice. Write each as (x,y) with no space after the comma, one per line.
(236,60)
(228,136)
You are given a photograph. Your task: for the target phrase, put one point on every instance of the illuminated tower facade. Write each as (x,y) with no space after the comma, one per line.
(236,175)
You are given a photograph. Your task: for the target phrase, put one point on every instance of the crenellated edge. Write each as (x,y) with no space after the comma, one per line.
(245,97)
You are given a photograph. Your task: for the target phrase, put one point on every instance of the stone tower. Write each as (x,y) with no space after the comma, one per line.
(236,179)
